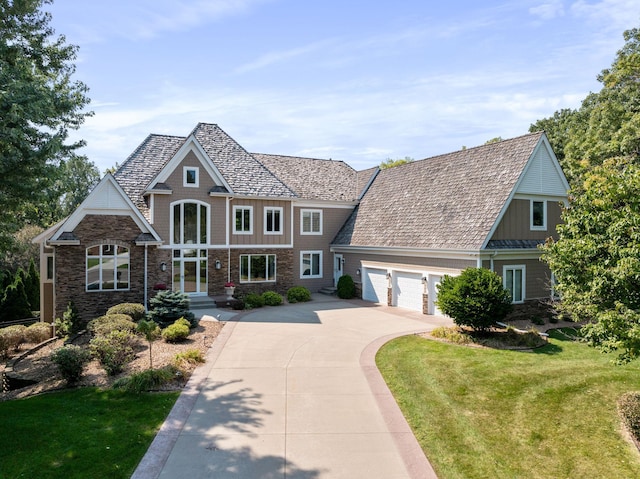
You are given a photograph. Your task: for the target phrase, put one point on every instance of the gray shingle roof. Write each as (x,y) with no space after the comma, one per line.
(143,165)
(446,202)
(314,179)
(514,244)
(244,174)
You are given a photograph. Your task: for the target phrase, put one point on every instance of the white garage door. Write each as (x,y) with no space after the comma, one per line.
(374,287)
(407,290)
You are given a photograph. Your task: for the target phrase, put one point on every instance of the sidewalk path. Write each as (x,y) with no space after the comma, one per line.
(293,392)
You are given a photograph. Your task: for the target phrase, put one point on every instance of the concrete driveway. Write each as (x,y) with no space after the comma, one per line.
(293,392)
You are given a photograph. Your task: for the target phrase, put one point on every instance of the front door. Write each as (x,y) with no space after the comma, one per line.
(338,264)
(190,271)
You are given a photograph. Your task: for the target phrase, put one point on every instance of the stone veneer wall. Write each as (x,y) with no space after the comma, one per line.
(70,268)
(217,278)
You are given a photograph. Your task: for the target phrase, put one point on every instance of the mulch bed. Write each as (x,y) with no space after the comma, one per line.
(39,367)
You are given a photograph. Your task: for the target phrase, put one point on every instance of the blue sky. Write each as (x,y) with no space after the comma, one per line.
(353,80)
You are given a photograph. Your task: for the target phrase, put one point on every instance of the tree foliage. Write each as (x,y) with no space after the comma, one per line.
(39,104)
(596,259)
(390,163)
(476,298)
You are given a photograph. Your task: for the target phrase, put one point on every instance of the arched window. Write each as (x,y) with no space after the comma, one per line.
(108,268)
(189,222)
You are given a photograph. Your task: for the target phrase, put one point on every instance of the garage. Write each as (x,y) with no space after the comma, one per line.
(407,290)
(434,281)
(374,285)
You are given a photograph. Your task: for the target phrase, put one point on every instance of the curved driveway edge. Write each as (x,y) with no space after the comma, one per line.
(293,392)
(412,454)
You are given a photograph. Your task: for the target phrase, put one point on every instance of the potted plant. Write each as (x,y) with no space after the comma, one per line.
(229,289)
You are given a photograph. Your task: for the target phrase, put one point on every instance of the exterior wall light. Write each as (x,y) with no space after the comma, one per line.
(163,266)
(218,264)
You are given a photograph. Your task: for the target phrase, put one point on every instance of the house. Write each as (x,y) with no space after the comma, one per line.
(192,213)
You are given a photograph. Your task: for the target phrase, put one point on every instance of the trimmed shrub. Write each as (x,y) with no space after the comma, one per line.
(149,380)
(271,298)
(151,332)
(114,351)
(476,298)
(71,360)
(135,310)
(104,325)
(37,333)
(167,306)
(346,287)
(253,301)
(298,294)
(175,332)
(12,337)
(629,410)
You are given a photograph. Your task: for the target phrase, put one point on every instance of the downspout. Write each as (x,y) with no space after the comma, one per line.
(146,247)
(227,239)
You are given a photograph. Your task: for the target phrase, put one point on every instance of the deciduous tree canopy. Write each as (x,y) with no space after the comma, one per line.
(596,259)
(39,104)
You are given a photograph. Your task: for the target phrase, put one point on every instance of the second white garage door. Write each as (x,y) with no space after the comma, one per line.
(374,286)
(407,290)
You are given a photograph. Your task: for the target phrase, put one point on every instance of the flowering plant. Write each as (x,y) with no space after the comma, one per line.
(229,284)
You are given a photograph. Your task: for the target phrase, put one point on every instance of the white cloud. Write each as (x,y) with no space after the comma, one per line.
(271,58)
(548,10)
(613,15)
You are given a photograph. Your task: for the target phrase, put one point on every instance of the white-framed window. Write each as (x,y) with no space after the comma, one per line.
(189,222)
(243,220)
(190,176)
(257,268)
(273,220)
(310,264)
(50,271)
(311,222)
(107,268)
(514,280)
(538,210)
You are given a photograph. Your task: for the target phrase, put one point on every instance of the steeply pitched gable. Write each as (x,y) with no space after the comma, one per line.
(245,175)
(107,198)
(144,164)
(313,179)
(446,202)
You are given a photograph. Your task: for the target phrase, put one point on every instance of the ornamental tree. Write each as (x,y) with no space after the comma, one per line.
(476,298)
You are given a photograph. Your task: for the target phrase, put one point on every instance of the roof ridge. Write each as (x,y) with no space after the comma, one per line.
(135,152)
(486,145)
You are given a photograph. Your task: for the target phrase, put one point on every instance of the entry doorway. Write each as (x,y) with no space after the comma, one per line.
(338,268)
(190,271)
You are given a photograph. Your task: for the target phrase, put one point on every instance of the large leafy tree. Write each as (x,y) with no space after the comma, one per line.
(596,259)
(39,104)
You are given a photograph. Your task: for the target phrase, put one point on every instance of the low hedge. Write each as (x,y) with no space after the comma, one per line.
(135,310)
(104,325)
(298,294)
(271,298)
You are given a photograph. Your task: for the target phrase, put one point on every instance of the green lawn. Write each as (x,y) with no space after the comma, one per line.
(79,433)
(480,413)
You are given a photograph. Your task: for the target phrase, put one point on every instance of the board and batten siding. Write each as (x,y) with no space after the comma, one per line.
(516,222)
(332,221)
(538,276)
(258,237)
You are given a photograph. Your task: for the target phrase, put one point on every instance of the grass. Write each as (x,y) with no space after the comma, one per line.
(481,413)
(79,433)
